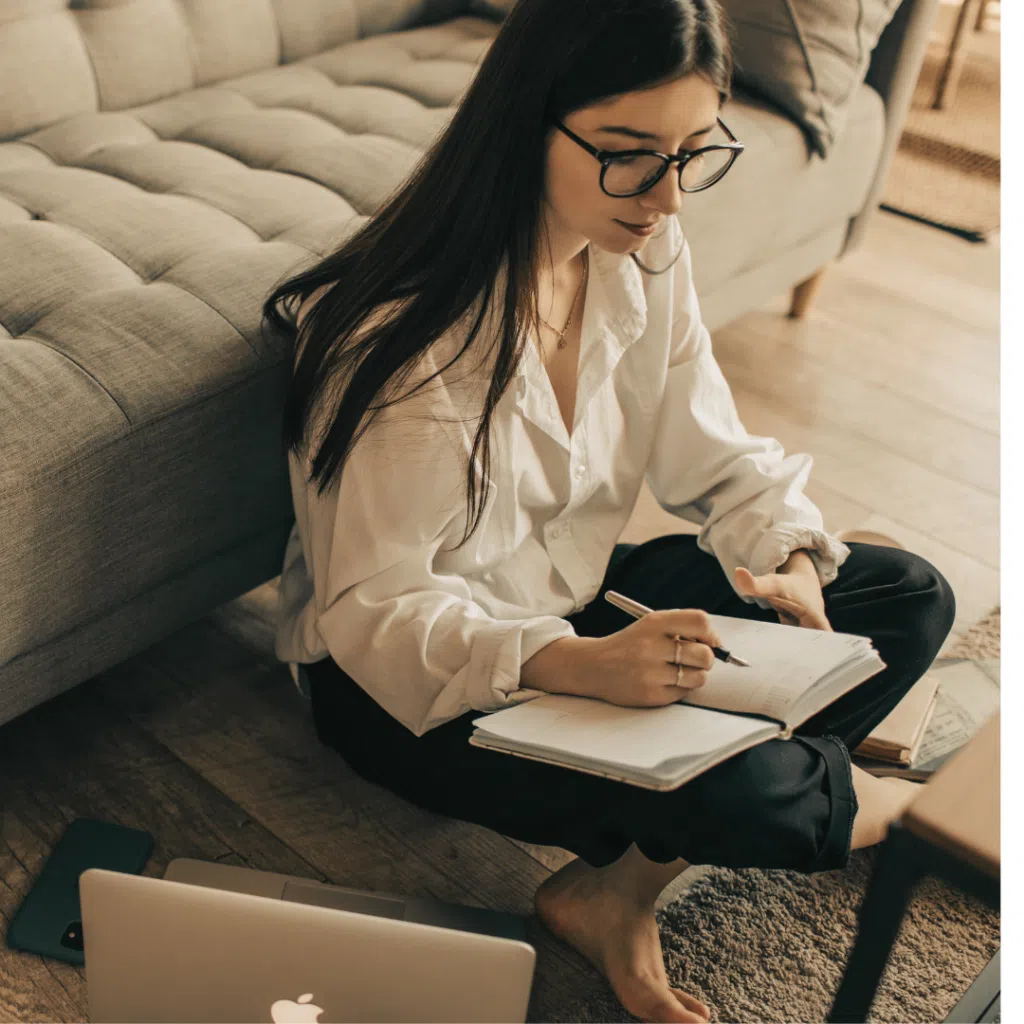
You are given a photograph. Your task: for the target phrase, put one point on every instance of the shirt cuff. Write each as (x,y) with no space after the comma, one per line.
(520,644)
(775,546)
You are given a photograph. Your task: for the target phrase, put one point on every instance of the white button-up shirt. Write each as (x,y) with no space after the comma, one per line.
(370,574)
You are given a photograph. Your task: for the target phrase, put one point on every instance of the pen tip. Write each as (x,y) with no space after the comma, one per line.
(739,661)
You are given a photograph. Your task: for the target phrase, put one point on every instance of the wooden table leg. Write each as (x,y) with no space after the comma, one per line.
(979,23)
(897,871)
(945,88)
(803,295)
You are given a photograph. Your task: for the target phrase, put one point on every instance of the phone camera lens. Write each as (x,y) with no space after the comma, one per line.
(72,937)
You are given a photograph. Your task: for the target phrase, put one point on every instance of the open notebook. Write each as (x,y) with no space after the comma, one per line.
(793,674)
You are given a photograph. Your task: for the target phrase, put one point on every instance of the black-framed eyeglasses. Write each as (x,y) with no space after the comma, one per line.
(629,172)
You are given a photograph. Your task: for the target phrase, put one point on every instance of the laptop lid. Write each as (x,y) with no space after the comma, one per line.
(236,878)
(158,950)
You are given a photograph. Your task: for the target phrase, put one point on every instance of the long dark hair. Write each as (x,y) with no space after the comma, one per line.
(472,208)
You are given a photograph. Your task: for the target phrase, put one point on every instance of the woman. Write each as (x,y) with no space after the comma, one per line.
(502,312)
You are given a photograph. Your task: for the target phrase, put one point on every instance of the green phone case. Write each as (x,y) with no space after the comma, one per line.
(49,920)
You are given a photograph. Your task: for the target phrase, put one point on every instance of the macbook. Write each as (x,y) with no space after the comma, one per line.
(217,942)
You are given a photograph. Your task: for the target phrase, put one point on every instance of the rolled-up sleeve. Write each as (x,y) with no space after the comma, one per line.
(742,489)
(412,637)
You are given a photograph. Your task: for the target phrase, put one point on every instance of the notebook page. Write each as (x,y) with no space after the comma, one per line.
(610,734)
(785,662)
(831,687)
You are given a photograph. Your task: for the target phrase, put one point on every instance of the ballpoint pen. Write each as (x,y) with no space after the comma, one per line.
(638,611)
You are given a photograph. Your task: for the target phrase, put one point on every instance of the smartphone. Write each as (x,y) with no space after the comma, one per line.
(49,920)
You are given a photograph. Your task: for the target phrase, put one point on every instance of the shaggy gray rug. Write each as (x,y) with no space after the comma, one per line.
(767,945)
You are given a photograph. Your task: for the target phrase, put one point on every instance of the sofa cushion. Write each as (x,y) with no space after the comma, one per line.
(139,399)
(775,197)
(62,57)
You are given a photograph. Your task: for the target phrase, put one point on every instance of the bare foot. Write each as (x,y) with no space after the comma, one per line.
(619,936)
(909,788)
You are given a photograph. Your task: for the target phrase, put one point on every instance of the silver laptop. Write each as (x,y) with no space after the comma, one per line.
(216,942)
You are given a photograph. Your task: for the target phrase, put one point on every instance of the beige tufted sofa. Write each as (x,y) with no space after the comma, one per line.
(163,163)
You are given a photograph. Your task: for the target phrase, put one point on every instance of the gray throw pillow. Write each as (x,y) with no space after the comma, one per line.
(807,56)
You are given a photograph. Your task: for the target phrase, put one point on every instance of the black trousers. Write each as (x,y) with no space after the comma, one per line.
(781,804)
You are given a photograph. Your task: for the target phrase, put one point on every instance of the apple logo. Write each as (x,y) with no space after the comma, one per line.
(284,1011)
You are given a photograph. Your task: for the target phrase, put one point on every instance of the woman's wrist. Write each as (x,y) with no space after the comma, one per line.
(557,667)
(799,561)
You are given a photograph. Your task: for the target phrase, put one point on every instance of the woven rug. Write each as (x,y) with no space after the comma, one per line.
(946,170)
(769,945)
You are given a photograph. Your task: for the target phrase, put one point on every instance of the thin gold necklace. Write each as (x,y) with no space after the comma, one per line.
(561,334)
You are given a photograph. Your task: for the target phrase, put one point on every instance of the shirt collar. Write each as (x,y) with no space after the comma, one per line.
(615,308)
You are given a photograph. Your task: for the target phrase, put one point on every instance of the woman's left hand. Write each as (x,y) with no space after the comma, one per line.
(795,596)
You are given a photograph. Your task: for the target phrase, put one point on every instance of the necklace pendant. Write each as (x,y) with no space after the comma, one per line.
(562,343)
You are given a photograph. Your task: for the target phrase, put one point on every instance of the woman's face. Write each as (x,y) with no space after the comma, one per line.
(668,118)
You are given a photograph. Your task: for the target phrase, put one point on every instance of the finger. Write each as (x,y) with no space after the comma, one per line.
(689,678)
(696,655)
(745,578)
(819,621)
(691,624)
(768,585)
(785,603)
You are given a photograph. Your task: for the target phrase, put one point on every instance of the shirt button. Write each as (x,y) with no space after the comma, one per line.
(581,470)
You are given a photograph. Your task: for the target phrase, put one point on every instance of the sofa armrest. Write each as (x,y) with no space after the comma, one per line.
(895,65)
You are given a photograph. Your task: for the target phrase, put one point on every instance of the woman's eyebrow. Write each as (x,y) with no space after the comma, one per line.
(618,129)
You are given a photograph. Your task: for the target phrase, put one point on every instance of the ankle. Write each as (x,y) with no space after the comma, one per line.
(641,880)
(880,802)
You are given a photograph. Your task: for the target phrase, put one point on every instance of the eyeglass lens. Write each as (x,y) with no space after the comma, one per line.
(632,174)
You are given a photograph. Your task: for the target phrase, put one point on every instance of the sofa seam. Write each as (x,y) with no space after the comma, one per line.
(74,362)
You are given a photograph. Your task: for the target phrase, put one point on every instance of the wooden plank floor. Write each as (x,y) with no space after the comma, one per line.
(202,740)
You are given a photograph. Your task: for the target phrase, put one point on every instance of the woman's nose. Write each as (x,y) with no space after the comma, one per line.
(666,196)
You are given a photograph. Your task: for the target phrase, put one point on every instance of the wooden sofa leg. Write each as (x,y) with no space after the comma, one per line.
(803,295)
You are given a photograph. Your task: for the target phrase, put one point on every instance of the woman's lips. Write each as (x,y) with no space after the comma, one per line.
(642,232)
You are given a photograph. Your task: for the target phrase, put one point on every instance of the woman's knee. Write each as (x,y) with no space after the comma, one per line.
(925,599)
(934,603)
(769,807)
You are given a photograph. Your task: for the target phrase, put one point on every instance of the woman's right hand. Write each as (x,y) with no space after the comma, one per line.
(635,666)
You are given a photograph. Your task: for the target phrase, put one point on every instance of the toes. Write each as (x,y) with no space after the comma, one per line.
(663,1008)
(692,1003)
